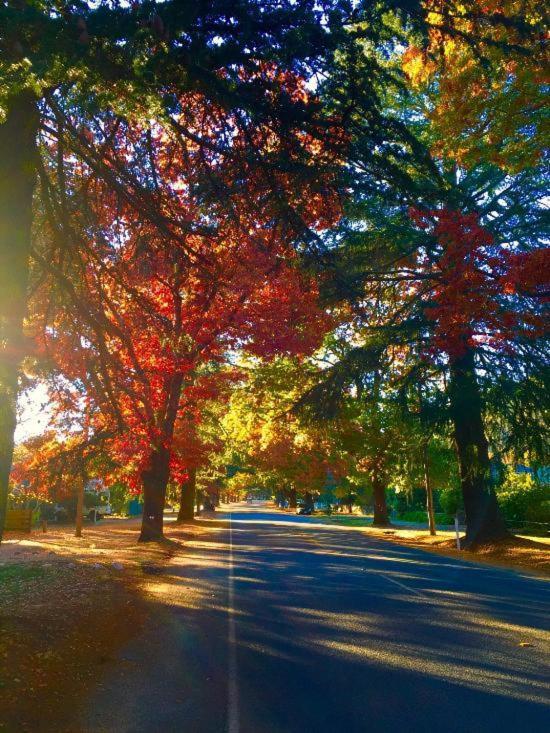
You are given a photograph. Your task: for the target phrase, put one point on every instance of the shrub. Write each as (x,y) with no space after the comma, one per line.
(523,499)
(450,501)
(120,495)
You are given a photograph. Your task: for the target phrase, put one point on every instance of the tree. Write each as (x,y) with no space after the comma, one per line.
(473,309)
(57,469)
(140,316)
(62,62)
(450,252)
(287,455)
(462,301)
(501,120)
(197,436)
(17,153)
(134,60)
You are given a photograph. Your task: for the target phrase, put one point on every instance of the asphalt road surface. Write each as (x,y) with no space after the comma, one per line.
(278,624)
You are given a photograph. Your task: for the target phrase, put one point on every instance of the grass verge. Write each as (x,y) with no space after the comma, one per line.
(66,607)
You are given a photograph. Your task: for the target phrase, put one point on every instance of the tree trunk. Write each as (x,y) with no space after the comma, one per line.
(381,518)
(292,499)
(79,509)
(155,482)
(309,503)
(484,523)
(187,498)
(429,490)
(17,179)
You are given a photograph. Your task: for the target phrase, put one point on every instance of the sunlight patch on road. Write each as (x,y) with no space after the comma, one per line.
(468,675)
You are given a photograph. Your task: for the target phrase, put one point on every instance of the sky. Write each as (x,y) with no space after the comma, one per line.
(33,413)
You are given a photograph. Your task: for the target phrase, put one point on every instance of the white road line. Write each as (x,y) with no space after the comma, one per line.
(232,684)
(405,587)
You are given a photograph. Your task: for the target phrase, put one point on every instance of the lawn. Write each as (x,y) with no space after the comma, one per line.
(15,579)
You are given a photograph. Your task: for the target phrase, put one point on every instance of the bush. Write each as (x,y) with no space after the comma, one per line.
(450,501)
(120,495)
(522,499)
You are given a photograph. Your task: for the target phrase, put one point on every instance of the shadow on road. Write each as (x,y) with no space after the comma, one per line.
(334,632)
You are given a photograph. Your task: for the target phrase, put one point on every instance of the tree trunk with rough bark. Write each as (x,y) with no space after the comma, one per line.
(155,482)
(292,499)
(18,153)
(381,517)
(484,523)
(186,511)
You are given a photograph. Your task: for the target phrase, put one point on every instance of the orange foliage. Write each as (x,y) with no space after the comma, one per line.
(157,306)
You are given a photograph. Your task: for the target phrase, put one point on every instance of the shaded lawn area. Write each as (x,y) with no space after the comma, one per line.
(58,623)
(15,577)
(66,605)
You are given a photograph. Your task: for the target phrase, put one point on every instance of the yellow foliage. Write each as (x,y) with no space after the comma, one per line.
(489,111)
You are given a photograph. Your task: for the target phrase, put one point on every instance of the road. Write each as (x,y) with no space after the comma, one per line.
(278,624)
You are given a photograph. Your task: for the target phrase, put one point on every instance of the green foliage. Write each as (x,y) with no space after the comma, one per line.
(26,500)
(120,495)
(450,500)
(522,499)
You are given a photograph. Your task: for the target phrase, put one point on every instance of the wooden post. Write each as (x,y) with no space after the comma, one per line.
(429,490)
(80,508)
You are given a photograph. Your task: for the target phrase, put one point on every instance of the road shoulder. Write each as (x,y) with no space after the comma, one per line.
(528,554)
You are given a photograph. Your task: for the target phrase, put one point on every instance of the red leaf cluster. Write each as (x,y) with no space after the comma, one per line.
(152,307)
(473,284)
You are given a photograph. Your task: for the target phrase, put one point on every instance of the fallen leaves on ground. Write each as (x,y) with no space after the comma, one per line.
(67,604)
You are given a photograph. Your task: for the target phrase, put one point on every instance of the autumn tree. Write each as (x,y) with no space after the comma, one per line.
(468,306)
(132,60)
(57,469)
(289,457)
(501,120)
(448,243)
(135,316)
(62,62)
(198,436)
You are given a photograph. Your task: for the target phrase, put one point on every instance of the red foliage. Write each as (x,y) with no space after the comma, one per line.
(529,274)
(156,307)
(48,467)
(471,284)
